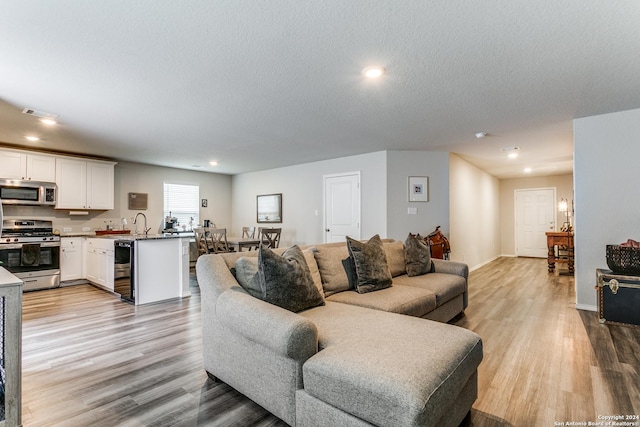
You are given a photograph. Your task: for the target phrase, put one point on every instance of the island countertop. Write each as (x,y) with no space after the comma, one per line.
(156,236)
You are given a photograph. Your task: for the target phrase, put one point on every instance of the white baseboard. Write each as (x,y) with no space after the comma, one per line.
(475,267)
(586,307)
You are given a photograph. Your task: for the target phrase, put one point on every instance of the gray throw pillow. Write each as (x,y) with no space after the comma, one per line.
(372,271)
(286,280)
(417,256)
(246,272)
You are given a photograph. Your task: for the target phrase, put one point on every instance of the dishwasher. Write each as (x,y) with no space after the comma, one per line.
(124,270)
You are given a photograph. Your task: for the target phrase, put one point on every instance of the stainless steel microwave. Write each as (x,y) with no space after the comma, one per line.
(22,192)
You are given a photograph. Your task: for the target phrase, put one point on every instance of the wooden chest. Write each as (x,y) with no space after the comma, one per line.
(618,298)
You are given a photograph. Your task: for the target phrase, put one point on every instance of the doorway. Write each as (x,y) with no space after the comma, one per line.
(341,206)
(534,215)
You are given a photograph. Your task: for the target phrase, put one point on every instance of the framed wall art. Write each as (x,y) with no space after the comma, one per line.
(269,208)
(418,188)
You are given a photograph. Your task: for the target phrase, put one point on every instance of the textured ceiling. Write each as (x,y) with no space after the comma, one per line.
(263,84)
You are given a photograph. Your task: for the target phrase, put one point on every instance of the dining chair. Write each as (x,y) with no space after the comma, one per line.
(248,232)
(216,239)
(271,236)
(201,242)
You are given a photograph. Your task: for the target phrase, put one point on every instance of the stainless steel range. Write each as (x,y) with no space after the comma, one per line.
(30,251)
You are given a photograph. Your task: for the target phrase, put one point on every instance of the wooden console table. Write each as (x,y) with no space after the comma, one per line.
(561,239)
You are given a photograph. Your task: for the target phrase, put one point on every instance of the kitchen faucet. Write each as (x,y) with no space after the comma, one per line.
(135,221)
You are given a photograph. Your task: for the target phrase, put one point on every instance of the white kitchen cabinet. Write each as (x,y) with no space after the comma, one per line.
(100,185)
(100,262)
(16,164)
(84,184)
(71,258)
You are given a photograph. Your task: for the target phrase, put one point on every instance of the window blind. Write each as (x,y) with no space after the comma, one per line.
(181,202)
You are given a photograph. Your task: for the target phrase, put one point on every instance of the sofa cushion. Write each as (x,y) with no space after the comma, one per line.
(246,268)
(372,271)
(313,269)
(285,280)
(329,259)
(397,299)
(394,251)
(417,256)
(444,286)
(388,369)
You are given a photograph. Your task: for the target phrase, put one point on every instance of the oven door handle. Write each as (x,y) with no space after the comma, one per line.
(19,245)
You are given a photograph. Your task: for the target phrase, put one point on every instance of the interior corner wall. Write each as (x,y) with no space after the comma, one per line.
(302,196)
(400,166)
(606,177)
(564,189)
(475,213)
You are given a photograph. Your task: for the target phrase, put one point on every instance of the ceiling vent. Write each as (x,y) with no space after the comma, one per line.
(38,113)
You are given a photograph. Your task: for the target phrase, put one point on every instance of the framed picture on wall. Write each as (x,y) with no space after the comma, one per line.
(418,188)
(269,208)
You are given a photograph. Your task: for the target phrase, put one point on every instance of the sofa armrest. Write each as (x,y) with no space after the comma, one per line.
(450,267)
(280,330)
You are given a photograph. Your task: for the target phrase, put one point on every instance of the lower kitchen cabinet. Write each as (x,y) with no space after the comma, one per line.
(71,258)
(99,262)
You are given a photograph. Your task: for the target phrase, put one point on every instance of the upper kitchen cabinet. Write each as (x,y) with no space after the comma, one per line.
(84,184)
(32,167)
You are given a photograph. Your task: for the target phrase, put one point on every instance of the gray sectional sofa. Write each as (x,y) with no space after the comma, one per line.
(359,359)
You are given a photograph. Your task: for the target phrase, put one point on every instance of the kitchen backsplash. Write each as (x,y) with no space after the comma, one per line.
(65,223)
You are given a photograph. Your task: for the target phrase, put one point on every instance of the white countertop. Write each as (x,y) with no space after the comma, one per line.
(156,236)
(8,279)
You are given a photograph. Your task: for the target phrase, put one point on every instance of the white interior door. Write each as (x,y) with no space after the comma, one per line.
(535,215)
(341,207)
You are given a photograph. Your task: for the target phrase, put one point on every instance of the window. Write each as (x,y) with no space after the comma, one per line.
(181,202)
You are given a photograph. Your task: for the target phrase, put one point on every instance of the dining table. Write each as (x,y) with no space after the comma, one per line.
(240,243)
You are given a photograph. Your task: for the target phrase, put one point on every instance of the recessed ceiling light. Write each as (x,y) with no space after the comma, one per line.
(527,170)
(49,122)
(512,155)
(213,163)
(373,72)
(481,135)
(32,138)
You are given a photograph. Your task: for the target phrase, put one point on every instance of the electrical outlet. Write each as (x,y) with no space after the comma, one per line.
(86,228)
(67,229)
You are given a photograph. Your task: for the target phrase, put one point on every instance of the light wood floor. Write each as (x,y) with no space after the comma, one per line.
(91,360)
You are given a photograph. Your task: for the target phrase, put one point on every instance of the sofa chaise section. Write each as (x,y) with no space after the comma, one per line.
(387,369)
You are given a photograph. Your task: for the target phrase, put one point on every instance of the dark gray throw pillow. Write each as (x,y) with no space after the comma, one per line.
(286,280)
(417,256)
(370,261)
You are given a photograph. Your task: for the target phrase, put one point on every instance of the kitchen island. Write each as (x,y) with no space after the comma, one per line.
(161,267)
(157,266)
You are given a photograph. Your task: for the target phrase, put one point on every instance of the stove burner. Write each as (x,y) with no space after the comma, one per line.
(26,231)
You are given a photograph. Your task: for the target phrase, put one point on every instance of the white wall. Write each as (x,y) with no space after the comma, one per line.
(474,214)
(606,177)
(400,166)
(302,195)
(564,189)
